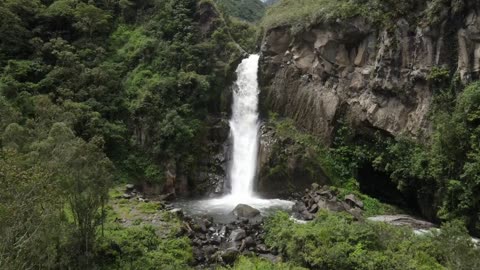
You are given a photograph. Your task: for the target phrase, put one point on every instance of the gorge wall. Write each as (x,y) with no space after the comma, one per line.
(374,77)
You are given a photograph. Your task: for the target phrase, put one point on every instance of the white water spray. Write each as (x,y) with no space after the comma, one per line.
(244,128)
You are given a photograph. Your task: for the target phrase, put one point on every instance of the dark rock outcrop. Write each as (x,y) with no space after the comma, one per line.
(211,174)
(220,244)
(323,198)
(374,78)
(377,78)
(285,166)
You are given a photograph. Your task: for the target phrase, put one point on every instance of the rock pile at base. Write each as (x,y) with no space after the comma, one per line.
(215,244)
(323,197)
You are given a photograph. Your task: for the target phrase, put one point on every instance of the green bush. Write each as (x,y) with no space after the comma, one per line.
(248,263)
(335,241)
(140,247)
(301,13)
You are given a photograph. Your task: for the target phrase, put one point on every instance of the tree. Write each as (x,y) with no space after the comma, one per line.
(90,19)
(84,174)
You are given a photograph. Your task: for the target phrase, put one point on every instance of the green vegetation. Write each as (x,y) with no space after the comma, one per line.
(301,13)
(249,10)
(248,263)
(130,240)
(338,163)
(93,92)
(335,241)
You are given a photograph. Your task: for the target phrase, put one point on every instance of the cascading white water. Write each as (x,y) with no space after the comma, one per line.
(244,128)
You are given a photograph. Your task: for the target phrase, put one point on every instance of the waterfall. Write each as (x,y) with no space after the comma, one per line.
(244,131)
(244,127)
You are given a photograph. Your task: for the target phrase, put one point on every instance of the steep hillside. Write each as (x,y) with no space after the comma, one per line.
(249,10)
(96,92)
(380,83)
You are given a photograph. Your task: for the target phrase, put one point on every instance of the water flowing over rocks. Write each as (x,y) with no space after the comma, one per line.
(404,220)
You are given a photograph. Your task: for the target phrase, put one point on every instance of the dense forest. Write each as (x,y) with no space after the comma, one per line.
(93,92)
(97,94)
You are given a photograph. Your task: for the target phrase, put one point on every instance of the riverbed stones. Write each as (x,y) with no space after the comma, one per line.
(215,243)
(230,255)
(237,235)
(319,198)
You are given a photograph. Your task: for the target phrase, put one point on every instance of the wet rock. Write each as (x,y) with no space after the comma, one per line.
(313,208)
(129,187)
(245,211)
(127,196)
(201,226)
(215,240)
(262,249)
(223,231)
(249,242)
(230,255)
(403,220)
(307,215)
(167,197)
(177,211)
(237,235)
(356,213)
(353,201)
(198,255)
(322,197)
(299,207)
(271,257)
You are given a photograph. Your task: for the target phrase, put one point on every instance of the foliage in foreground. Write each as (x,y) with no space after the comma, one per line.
(252,263)
(85,85)
(139,247)
(129,239)
(335,241)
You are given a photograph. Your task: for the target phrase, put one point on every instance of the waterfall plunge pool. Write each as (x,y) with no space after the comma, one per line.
(220,209)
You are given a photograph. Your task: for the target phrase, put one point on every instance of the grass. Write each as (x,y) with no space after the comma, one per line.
(300,13)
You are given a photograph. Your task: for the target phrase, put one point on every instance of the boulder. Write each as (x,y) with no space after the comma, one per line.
(245,211)
(230,255)
(177,211)
(237,235)
(249,242)
(353,201)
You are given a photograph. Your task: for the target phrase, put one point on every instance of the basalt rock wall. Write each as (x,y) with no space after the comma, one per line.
(376,78)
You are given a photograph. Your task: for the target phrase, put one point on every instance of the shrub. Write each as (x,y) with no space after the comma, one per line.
(335,241)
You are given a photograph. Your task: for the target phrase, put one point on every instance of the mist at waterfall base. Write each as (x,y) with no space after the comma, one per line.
(244,131)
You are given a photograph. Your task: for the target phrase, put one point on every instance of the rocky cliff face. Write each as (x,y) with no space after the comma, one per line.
(377,79)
